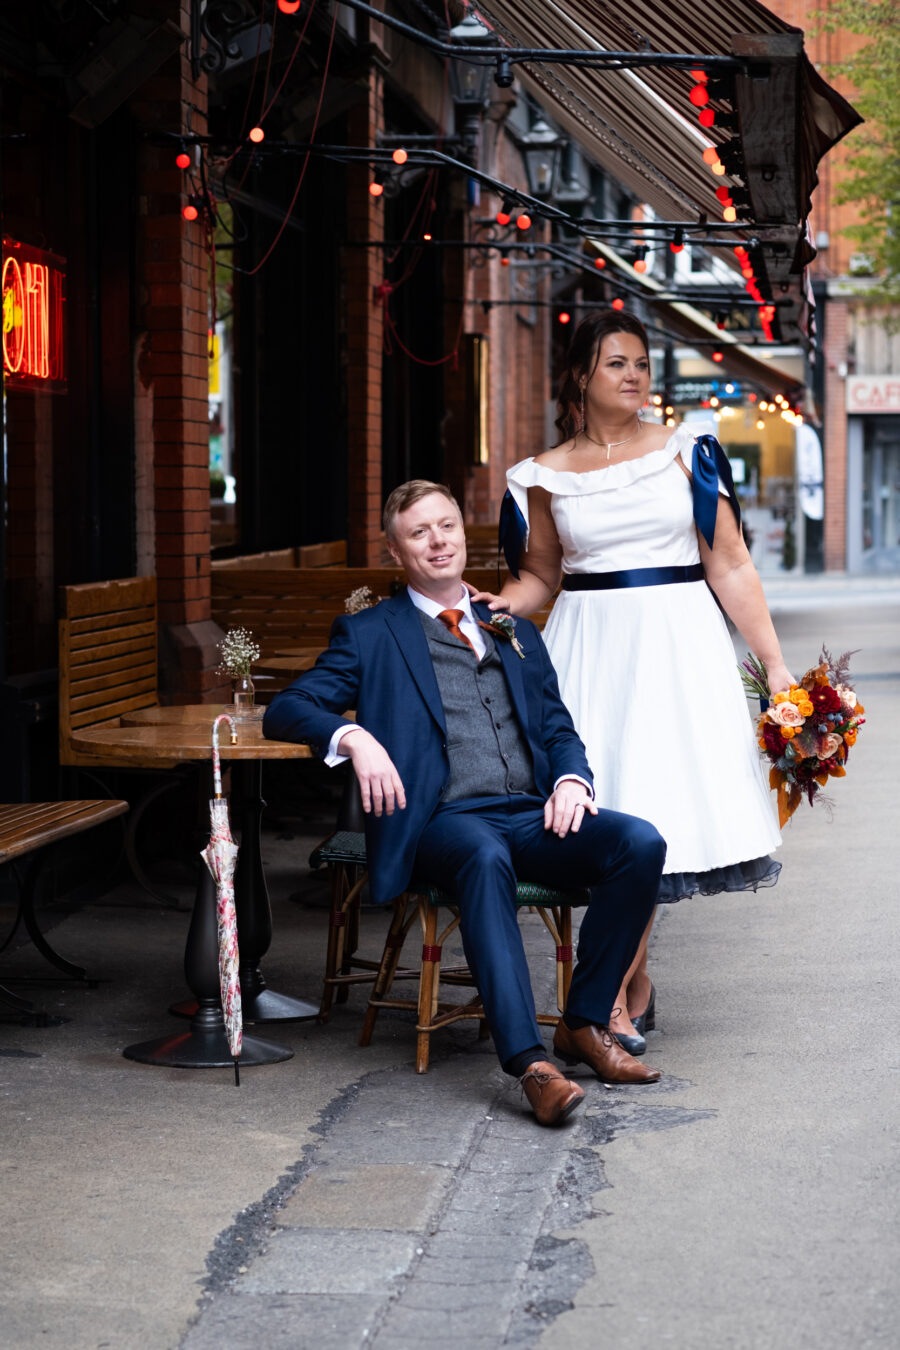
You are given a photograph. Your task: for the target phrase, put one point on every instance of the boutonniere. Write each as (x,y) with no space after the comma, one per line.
(504,626)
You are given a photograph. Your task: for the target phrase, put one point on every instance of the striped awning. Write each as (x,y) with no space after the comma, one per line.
(641,127)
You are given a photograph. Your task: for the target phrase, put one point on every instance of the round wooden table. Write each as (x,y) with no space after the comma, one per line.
(184,733)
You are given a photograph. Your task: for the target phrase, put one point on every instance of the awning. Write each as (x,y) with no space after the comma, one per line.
(642,128)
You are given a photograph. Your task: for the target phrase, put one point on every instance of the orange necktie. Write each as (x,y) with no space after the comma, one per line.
(450,619)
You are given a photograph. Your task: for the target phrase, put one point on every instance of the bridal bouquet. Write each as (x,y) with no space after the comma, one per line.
(806,731)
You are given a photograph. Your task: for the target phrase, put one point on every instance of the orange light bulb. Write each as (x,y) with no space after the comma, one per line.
(399,156)
(256,134)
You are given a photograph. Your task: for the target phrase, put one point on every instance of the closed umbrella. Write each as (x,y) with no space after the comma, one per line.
(220,856)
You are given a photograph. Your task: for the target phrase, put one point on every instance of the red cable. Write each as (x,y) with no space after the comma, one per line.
(312,136)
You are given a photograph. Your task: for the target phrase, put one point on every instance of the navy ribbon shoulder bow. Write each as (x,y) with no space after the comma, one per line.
(708,464)
(512,532)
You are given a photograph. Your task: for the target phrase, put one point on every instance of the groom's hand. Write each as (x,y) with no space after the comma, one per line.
(564,810)
(379,782)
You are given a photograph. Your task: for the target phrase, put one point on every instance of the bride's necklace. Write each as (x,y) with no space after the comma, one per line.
(611,445)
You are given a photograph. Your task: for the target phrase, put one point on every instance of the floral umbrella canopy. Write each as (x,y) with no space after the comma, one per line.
(220,856)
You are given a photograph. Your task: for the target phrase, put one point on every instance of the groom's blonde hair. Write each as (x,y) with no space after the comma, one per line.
(406,495)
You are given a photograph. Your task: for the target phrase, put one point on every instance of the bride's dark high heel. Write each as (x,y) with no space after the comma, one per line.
(646,1021)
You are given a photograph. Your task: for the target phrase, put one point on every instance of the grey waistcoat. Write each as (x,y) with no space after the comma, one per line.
(488,754)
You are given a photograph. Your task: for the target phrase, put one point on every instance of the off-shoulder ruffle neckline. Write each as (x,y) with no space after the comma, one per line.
(565,482)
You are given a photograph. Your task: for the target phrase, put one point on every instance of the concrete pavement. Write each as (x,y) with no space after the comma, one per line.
(338,1200)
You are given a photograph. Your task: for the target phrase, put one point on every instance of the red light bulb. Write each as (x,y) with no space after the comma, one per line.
(503,217)
(504,262)
(523,222)
(718,356)
(190,211)
(723,193)
(565,318)
(699,75)
(289,6)
(600,262)
(676,248)
(618,303)
(426,237)
(640,264)
(256,135)
(399,156)
(707,117)
(183,160)
(699,96)
(376,189)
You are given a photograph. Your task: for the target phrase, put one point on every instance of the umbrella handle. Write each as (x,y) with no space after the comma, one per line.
(216,761)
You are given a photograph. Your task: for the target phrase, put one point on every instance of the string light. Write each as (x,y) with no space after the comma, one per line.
(760,425)
(376,187)
(183,159)
(256,135)
(669,410)
(565,317)
(699,95)
(523,222)
(426,237)
(640,259)
(706,117)
(189,211)
(504,215)
(677,243)
(289,6)
(714,402)
(504,262)
(718,356)
(618,303)
(710,155)
(729,214)
(718,168)
(600,262)
(399,156)
(724,195)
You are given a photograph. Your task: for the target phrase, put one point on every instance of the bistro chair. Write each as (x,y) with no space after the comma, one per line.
(554,907)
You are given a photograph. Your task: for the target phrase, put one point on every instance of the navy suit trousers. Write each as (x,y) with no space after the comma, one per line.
(476,848)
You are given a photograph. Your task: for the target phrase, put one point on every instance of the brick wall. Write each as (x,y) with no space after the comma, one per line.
(363,316)
(835,442)
(172,431)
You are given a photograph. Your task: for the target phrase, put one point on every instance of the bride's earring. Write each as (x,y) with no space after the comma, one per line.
(583,422)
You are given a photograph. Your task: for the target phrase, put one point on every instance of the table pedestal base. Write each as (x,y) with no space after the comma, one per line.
(205,1046)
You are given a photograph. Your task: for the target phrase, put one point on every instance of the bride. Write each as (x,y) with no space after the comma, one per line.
(642,525)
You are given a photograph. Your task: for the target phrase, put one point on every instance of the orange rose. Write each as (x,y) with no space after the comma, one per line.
(788,733)
(850,737)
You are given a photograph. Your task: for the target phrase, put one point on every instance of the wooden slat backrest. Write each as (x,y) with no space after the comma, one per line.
(330,554)
(107,655)
(297,608)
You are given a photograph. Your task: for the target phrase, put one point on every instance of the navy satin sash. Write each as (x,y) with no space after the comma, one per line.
(511,532)
(709,463)
(632,576)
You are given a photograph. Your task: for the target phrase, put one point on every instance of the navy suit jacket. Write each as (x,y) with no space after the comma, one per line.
(378,662)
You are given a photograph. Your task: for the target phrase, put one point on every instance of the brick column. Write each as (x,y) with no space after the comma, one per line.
(363,316)
(834,446)
(172,435)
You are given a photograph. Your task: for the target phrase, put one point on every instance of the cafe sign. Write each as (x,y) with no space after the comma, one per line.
(34,297)
(873,394)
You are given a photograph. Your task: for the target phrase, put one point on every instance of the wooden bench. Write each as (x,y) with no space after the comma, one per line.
(333,553)
(107,659)
(25,831)
(291,608)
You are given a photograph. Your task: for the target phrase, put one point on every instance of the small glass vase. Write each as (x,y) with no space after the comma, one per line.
(243,697)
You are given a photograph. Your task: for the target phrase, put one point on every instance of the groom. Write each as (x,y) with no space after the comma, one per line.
(471,774)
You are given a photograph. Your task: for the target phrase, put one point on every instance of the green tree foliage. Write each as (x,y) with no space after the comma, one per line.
(870,178)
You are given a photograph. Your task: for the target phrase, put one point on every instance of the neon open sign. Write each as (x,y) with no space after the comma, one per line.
(34,295)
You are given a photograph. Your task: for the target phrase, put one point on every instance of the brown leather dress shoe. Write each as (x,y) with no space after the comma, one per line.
(594,1046)
(551,1096)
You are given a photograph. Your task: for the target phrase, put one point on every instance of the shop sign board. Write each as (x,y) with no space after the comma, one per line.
(34,298)
(873,394)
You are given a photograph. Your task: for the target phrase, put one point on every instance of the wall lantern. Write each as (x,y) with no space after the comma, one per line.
(542,151)
(470,82)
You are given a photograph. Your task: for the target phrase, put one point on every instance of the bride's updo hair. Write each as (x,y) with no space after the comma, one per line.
(581,362)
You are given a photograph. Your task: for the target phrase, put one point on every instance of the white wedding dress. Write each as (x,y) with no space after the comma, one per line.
(649,673)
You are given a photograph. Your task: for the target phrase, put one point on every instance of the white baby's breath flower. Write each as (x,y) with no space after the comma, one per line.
(239,651)
(362,598)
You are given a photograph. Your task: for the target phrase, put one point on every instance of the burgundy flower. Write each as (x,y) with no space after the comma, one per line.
(825,699)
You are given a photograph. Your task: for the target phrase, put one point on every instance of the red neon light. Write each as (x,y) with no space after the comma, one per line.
(33,285)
